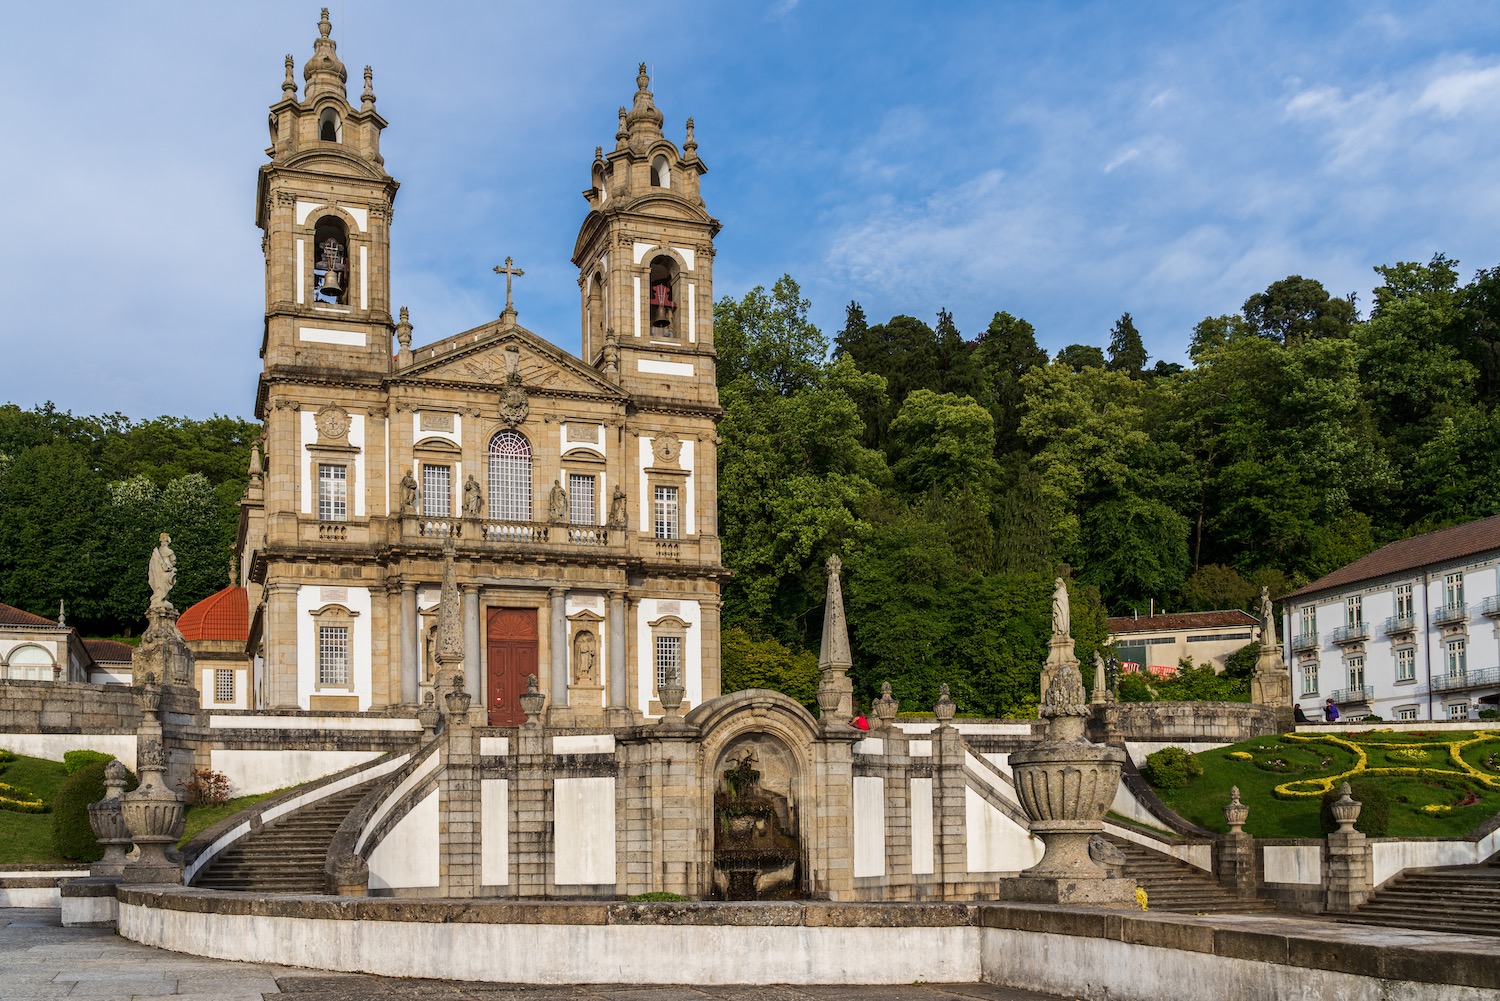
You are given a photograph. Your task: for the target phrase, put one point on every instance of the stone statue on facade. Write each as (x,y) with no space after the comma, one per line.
(162,572)
(408,493)
(557,504)
(617,508)
(584,647)
(473,498)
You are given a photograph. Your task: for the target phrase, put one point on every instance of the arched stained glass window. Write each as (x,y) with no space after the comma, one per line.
(510,477)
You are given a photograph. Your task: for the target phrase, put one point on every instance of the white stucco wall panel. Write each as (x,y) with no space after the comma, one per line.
(1292,864)
(869,826)
(923,844)
(408,855)
(995,842)
(494,832)
(584,831)
(253,771)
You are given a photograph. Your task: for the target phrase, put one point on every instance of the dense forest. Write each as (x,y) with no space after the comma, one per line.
(954,474)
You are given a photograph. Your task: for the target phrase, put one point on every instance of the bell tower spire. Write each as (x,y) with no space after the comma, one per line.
(324,202)
(645,260)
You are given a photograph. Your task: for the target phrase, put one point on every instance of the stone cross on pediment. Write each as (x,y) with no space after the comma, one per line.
(511,272)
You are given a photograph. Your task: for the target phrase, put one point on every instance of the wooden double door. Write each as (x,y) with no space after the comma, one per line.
(510,637)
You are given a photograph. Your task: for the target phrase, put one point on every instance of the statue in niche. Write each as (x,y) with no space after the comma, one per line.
(430,645)
(557,504)
(473,499)
(1062,617)
(162,572)
(408,493)
(584,657)
(617,508)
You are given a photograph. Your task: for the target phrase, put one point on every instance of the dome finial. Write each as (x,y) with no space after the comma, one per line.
(367,99)
(324,73)
(643,121)
(289,85)
(690,144)
(643,80)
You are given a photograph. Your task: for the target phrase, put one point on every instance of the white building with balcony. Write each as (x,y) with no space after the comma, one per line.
(1411,631)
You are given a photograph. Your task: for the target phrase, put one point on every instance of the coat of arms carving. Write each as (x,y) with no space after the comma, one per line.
(513,404)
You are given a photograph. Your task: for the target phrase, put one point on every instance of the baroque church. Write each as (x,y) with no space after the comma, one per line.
(573,500)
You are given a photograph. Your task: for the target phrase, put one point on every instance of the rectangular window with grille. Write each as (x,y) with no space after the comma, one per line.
(581,508)
(668,660)
(223,685)
(1403,601)
(1406,664)
(437,491)
(333,492)
(1310,679)
(1458,658)
(665,510)
(333,655)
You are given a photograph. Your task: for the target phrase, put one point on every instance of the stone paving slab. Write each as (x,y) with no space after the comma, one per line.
(41,960)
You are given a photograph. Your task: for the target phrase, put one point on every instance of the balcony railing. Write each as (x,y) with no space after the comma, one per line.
(440,528)
(1353,696)
(333,531)
(1356,632)
(668,549)
(1305,641)
(1398,624)
(1490,606)
(1445,615)
(1470,679)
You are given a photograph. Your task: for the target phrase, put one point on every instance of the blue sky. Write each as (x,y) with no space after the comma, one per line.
(1065,162)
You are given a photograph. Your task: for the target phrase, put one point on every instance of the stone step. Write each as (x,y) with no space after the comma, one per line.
(286,856)
(1173,885)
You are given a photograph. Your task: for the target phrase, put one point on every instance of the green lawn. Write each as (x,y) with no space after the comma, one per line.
(201,818)
(1281,759)
(26,838)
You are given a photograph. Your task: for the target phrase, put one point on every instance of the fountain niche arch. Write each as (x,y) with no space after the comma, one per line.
(759,792)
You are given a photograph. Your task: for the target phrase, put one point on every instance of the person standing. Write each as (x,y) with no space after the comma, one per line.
(1330,711)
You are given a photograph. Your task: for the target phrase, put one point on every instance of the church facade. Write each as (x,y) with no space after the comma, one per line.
(574,497)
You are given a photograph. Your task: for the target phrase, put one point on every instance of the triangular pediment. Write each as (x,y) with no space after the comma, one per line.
(478,357)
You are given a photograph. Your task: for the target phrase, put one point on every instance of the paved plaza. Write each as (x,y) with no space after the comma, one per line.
(41,959)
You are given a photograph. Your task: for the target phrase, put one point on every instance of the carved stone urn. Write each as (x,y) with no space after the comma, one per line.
(109,823)
(532,702)
(429,715)
(458,701)
(829,697)
(884,707)
(1346,809)
(670,696)
(153,814)
(1066,783)
(944,708)
(1235,812)
(148,696)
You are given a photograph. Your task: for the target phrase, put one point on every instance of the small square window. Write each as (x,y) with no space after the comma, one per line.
(223,685)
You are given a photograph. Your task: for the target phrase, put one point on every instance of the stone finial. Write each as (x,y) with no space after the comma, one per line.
(62,612)
(367,99)
(598,154)
(690,144)
(257,462)
(835,655)
(289,85)
(622,134)
(1235,812)
(532,702)
(403,333)
(324,26)
(885,707)
(945,707)
(450,637)
(1065,696)
(643,121)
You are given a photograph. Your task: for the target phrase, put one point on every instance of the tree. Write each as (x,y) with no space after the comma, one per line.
(1216,586)
(1081,356)
(943,442)
(768,339)
(1297,309)
(51,533)
(1126,351)
(1005,351)
(956,371)
(760,662)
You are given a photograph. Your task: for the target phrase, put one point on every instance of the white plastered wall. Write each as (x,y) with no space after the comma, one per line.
(257,771)
(869,825)
(650,610)
(408,856)
(310,598)
(584,831)
(494,831)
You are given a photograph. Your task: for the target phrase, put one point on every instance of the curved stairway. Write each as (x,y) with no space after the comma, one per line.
(1173,885)
(285,856)
(1460,898)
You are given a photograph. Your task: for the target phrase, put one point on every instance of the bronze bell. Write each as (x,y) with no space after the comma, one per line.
(331,284)
(662,305)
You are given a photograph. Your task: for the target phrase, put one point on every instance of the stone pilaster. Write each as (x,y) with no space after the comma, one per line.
(558,631)
(531,813)
(409,677)
(459,820)
(949,809)
(830,858)
(618,712)
(281,648)
(473,681)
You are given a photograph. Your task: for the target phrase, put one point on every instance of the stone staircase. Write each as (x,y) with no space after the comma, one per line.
(286,856)
(1460,898)
(1173,885)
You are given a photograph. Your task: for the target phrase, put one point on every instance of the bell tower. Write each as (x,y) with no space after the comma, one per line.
(645,261)
(324,204)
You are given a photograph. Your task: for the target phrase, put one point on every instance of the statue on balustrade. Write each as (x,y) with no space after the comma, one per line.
(473,499)
(557,504)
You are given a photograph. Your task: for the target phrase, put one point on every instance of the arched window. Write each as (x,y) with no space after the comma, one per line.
(330,129)
(595,317)
(661,173)
(331,261)
(664,298)
(510,477)
(29,663)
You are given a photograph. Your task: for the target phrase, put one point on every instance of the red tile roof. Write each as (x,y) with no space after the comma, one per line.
(109,651)
(1180,620)
(1442,546)
(12,616)
(221,616)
